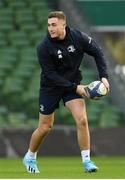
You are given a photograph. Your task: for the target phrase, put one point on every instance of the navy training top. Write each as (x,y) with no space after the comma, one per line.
(60,60)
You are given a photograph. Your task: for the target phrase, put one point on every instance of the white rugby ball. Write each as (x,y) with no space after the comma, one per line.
(96,89)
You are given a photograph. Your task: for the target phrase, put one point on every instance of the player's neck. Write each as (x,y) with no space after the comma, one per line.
(62,36)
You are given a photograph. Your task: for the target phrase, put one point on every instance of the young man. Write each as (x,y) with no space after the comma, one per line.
(60,55)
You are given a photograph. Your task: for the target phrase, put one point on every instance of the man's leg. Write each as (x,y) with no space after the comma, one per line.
(37,138)
(78,110)
(44,126)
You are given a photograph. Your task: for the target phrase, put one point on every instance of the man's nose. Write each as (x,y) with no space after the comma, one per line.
(50,28)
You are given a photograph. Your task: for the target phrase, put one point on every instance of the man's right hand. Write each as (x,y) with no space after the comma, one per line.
(81,91)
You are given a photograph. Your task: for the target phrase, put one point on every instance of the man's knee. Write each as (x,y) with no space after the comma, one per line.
(45,123)
(81,121)
(44,128)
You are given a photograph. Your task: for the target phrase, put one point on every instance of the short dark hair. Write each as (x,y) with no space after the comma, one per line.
(57,14)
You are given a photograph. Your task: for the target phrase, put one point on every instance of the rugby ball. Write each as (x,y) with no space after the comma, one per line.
(96,89)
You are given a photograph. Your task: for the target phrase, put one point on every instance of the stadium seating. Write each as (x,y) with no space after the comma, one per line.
(36,36)
(6,19)
(14,4)
(18,38)
(3,42)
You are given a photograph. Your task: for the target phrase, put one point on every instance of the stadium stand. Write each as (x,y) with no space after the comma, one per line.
(22,27)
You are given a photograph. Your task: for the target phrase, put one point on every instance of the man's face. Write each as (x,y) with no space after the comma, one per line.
(56,27)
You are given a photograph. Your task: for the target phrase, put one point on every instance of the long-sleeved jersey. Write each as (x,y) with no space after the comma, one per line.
(60,60)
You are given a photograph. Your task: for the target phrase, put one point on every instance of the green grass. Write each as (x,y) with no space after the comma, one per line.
(64,168)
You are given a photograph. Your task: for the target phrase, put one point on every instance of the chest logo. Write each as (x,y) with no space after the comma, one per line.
(71,48)
(59,53)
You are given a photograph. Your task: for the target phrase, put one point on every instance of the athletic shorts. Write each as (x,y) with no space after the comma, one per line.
(49,103)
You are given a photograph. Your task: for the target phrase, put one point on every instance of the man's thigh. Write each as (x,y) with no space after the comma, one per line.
(77,108)
(67,97)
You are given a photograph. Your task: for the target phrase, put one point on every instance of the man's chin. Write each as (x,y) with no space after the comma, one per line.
(53,36)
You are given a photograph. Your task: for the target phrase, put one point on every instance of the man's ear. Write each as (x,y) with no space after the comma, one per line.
(63,26)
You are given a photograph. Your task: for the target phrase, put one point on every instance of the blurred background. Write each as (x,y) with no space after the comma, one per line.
(23,24)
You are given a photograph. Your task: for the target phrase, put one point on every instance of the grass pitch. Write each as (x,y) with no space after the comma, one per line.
(64,168)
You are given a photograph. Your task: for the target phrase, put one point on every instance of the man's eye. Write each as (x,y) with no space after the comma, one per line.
(53,24)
